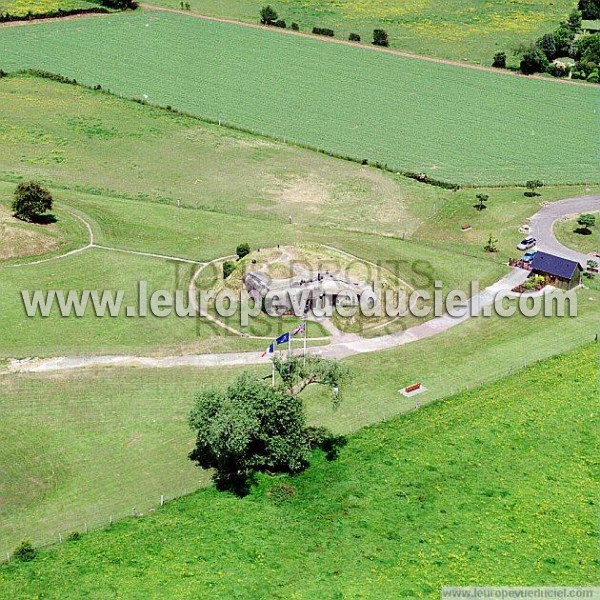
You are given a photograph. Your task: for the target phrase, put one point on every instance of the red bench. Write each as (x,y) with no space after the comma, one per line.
(412,388)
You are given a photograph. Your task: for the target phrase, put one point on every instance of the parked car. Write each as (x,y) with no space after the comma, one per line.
(528,256)
(527,243)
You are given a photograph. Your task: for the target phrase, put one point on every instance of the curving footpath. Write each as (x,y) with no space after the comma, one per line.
(541,226)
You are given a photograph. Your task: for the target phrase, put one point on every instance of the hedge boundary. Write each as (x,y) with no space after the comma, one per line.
(53,14)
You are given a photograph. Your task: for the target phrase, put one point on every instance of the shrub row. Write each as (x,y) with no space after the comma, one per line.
(52,14)
(424,178)
(421,177)
(323,31)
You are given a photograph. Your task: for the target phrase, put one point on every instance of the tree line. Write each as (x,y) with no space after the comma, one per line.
(270,17)
(568,41)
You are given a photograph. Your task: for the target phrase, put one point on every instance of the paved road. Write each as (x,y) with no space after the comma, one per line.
(543,221)
(541,224)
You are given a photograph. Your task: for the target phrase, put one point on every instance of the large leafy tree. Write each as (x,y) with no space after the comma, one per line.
(590,9)
(589,48)
(31,201)
(253,427)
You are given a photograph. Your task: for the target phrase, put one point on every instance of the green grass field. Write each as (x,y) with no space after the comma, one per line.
(493,487)
(187,233)
(369,105)
(454,30)
(82,447)
(66,434)
(567,231)
(73,137)
(78,139)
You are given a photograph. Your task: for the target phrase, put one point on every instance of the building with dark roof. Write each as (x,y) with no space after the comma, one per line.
(559,272)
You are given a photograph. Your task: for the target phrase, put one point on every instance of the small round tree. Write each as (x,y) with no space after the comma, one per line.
(532,186)
(242,250)
(586,223)
(31,201)
(228,268)
(25,551)
(380,38)
(492,244)
(499,60)
(268,15)
(482,199)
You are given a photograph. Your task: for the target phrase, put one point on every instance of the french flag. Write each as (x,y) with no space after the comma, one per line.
(269,350)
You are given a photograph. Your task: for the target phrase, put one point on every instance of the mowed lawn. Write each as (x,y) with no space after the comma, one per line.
(568,231)
(452,123)
(492,487)
(82,446)
(455,29)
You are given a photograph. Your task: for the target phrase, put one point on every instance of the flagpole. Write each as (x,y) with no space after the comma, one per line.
(305,334)
(289,346)
(273,373)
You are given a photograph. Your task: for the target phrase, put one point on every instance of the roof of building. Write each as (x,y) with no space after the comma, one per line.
(590,24)
(554,265)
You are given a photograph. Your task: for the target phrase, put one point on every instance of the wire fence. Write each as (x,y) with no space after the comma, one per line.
(72,530)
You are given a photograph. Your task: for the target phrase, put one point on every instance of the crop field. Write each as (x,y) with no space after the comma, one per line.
(484,129)
(454,29)
(495,486)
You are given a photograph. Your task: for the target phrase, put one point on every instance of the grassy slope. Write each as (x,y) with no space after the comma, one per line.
(54,487)
(495,486)
(198,235)
(20,241)
(75,137)
(67,434)
(566,232)
(454,29)
(369,105)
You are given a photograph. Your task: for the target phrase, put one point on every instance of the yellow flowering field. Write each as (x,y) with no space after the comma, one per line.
(23,7)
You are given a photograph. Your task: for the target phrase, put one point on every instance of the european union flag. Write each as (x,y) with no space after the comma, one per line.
(283,339)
